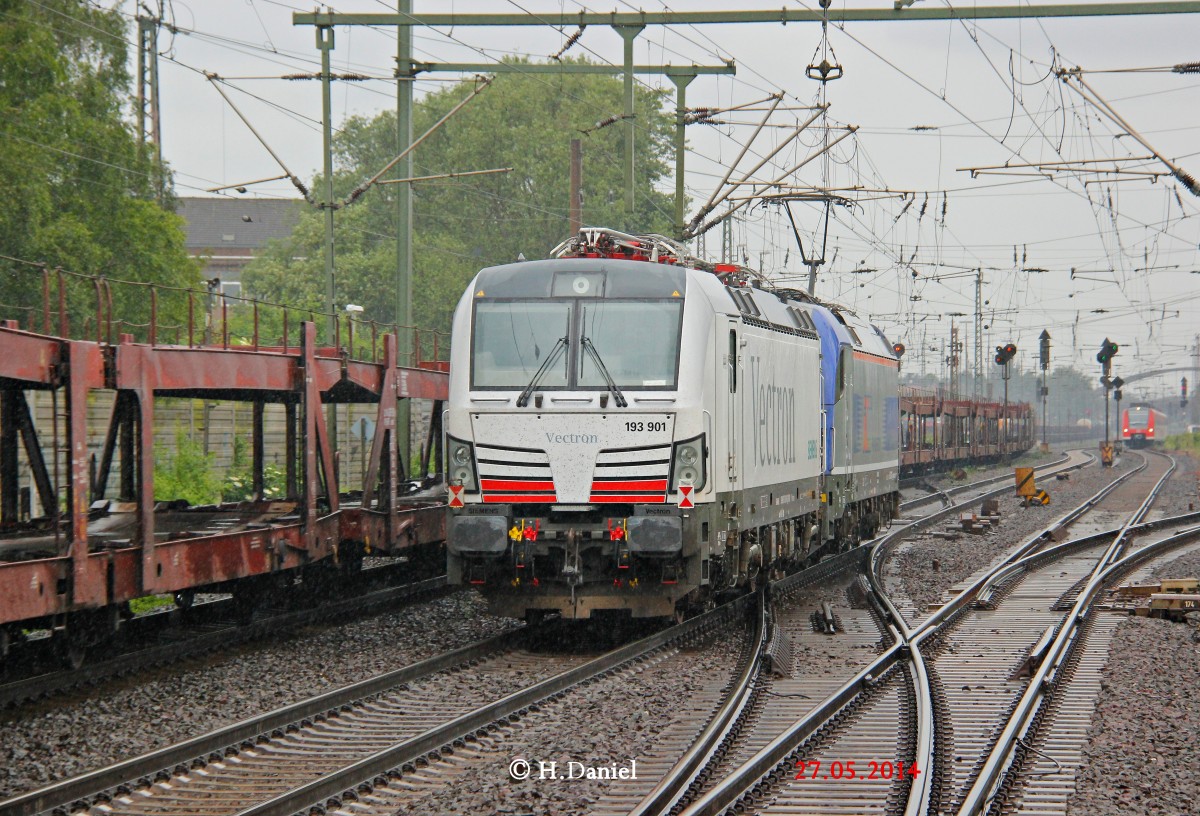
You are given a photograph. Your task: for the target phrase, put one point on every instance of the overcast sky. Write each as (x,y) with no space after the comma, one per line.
(978,94)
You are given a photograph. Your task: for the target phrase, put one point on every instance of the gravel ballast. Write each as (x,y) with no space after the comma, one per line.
(67,736)
(1140,757)
(928,566)
(616,720)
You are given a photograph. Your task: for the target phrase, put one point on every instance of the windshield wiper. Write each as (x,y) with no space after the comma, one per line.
(590,348)
(558,349)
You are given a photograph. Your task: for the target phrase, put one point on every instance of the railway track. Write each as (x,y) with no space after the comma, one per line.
(328,747)
(858,722)
(1057,701)
(218,629)
(374,746)
(761,705)
(946,496)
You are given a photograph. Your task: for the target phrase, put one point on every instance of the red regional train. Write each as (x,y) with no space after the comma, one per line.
(938,431)
(1140,423)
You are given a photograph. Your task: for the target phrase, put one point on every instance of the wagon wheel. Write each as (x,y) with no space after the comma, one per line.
(71,649)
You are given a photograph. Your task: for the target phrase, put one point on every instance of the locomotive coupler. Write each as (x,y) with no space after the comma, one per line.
(572,563)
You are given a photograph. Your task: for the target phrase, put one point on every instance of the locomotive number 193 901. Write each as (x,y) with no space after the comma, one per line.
(635,427)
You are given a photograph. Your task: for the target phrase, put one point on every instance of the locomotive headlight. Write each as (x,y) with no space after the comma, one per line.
(462,463)
(687,463)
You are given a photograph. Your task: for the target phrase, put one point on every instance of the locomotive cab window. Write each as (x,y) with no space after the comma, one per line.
(637,341)
(512,339)
(584,341)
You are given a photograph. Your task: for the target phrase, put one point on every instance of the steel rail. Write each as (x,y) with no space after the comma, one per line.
(148,765)
(906,648)
(922,788)
(934,621)
(43,685)
(1041,683)
(765,763)
(917,502)
(345,779)
(682,777)
(676,781)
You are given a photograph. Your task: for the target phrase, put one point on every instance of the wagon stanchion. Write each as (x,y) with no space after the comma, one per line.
(255,346)
(63,328)
(96,286)
(45,300)
(153,315)
(108,310)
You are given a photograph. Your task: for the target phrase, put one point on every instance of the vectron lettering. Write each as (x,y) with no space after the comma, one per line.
(569,439)
(773,411)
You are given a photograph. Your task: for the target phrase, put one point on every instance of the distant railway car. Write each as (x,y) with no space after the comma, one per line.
(634,430)
(939,431)
(1140,423)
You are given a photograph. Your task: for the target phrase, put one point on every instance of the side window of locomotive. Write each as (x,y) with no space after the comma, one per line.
(732,361)
(843,371)
(512,339)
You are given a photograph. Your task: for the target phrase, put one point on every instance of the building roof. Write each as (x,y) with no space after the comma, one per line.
(237,223)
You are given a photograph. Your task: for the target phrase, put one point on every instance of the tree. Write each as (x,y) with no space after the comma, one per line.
(461,225)
(80,193)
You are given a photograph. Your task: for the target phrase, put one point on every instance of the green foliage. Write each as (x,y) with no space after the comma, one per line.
(239,480)
(139,606)
(185,472)
(1188,442)
(79,191)
(461,225)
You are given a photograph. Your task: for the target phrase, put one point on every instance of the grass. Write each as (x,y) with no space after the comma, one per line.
(140,606)
(1188,442)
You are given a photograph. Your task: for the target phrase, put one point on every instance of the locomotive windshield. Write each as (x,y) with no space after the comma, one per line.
(1139,417)
(513,338)
(637,340)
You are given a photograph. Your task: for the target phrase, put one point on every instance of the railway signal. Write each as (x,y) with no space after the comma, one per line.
(1044,360)
(898,350)
(1183,398)
(1108,350)
(1005,353)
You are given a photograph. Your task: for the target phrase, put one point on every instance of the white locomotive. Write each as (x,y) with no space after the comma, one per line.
(632,429)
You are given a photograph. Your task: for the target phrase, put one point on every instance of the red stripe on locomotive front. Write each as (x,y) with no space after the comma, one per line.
(516,485)
(613,498)
(638,484)
(519,498)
